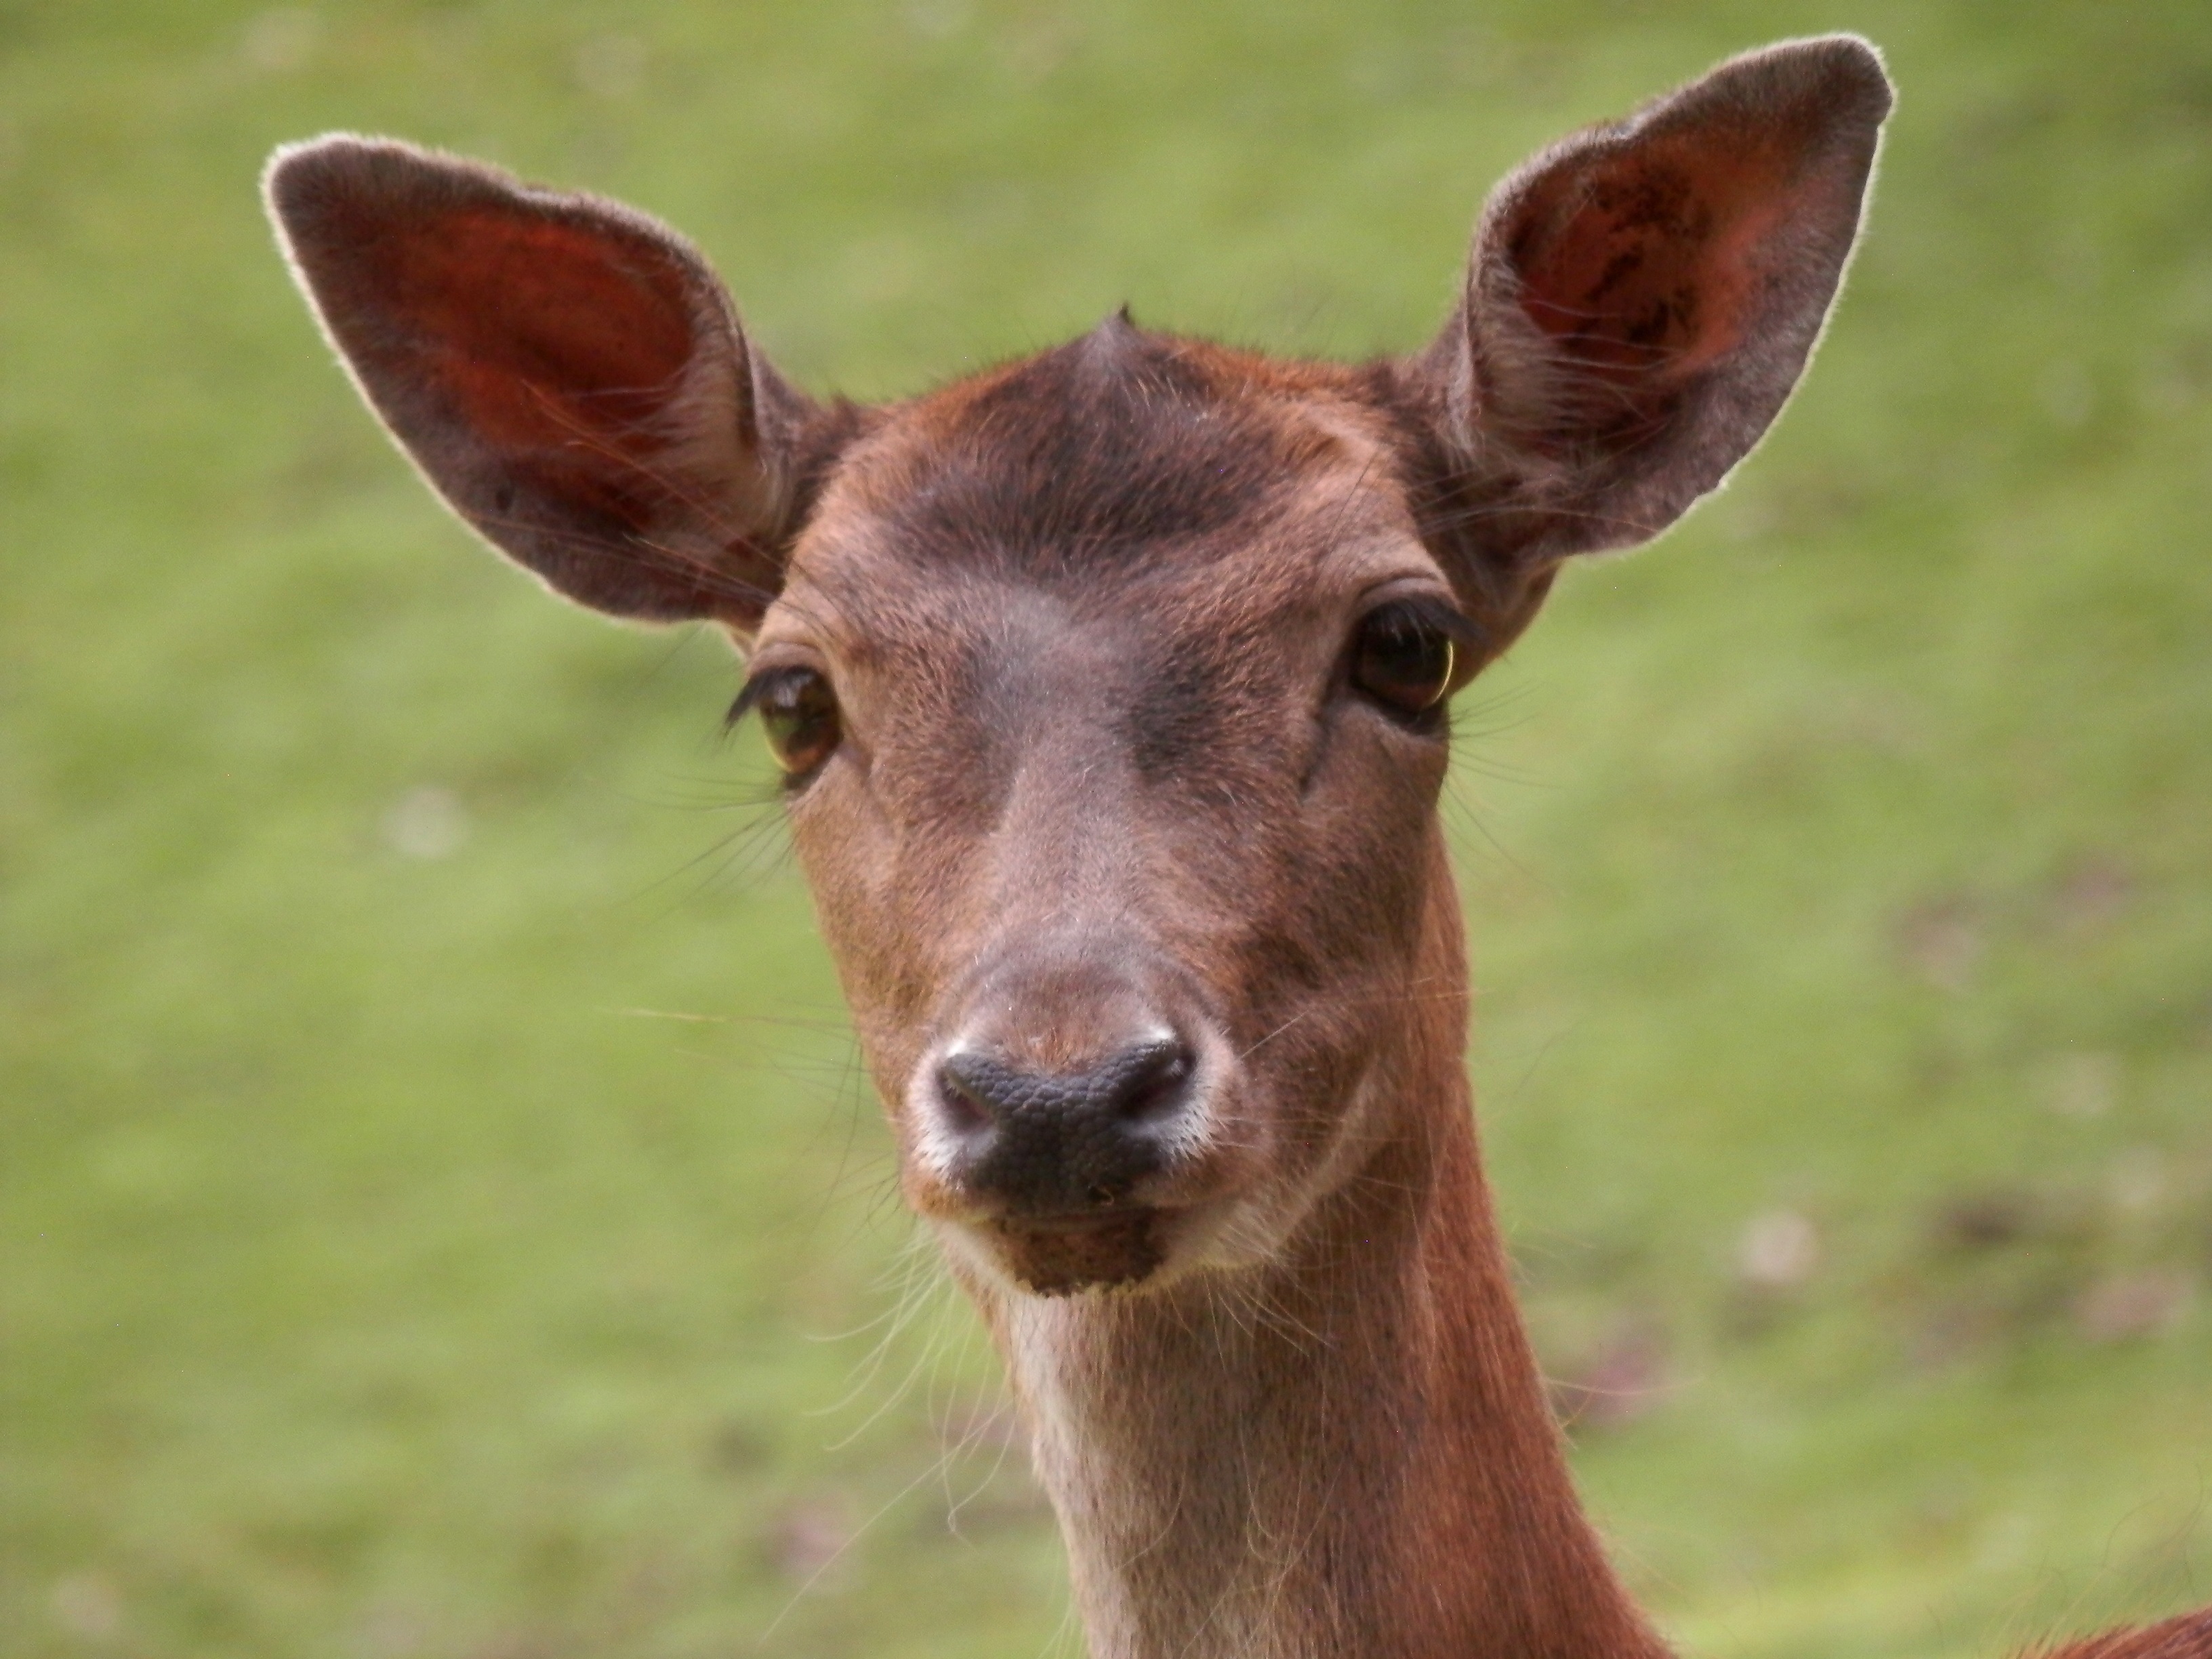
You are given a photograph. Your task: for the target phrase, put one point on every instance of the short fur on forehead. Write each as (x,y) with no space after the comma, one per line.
(1120,441)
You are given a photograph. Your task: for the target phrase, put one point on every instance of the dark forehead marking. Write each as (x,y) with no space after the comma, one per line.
(1115,443)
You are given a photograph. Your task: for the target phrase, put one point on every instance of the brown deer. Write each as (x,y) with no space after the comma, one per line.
(1111,690)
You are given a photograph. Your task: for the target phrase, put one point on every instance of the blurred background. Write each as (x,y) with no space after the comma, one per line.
(443,1214)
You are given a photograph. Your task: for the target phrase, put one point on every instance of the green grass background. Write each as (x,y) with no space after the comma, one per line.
(387,1274)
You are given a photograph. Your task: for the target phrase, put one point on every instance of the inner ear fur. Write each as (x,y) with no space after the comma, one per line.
(567,374)
(1643,297)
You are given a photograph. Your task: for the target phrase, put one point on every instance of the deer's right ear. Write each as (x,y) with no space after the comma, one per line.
(569,374)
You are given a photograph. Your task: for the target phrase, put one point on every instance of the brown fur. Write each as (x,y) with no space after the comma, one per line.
(2188,1636)
(1105,775)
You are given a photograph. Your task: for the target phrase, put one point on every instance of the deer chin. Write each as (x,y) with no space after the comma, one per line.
(1058,1255)
(1119,1249)
(1128,1247)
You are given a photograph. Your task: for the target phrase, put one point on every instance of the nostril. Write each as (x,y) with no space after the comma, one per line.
(1156,1083)
(966,1109)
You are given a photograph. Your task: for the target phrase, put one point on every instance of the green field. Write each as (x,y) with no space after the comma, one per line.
(440,1211)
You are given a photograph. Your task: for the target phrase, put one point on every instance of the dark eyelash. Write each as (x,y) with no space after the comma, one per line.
(1447,618)
(752,691)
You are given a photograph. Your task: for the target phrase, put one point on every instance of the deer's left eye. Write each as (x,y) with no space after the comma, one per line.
(1402,658)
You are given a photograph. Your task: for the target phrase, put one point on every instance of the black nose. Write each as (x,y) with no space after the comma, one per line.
(1047,1143)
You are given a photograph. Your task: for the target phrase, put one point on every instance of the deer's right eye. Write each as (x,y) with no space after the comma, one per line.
(798,715)
(1402,658)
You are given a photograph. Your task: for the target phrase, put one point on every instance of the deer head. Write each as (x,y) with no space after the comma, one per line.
(1111,685)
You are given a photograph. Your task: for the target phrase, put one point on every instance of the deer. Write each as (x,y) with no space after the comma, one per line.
(1110,691)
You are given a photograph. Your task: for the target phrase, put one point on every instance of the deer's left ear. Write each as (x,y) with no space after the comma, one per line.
(1644,295)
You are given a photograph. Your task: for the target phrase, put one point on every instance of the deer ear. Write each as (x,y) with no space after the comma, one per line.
(569,374)
(1642,295)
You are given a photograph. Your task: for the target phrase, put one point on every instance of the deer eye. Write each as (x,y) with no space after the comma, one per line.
(1402,659)
(797,714)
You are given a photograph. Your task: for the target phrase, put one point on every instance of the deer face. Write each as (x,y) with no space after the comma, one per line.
(1111,686)
(1124,672)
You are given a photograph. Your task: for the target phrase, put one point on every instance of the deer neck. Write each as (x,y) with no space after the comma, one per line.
(1347,1451)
